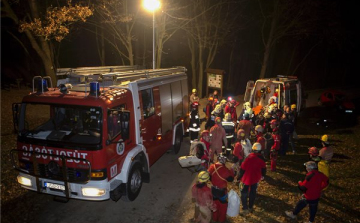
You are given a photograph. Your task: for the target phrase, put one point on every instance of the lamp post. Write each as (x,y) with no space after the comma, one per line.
(152,5)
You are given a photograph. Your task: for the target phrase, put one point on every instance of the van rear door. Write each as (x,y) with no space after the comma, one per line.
(249,87)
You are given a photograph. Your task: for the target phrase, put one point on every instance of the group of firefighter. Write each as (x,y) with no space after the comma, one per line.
(246,142)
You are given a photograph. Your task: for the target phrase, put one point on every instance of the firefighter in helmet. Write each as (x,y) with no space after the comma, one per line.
(229,127)
(218,138)
(194,97)
(220,175)
(201,195)
(252,170)
(194,125)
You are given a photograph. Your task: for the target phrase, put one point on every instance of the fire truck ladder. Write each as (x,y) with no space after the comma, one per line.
(109,77)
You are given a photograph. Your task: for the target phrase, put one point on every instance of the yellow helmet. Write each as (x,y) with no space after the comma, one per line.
(293,106)
(194,90)
(203,176)
(228,116)
(324,138)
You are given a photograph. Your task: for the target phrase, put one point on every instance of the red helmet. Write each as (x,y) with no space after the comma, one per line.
(205,133)
(273,122)
(241,133)
(313,151)
(217,120)
(194,104)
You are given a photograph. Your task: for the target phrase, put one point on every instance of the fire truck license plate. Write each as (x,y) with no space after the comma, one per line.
(54,186)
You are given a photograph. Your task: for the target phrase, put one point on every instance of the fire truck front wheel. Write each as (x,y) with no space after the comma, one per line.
(134,183)
(178,140)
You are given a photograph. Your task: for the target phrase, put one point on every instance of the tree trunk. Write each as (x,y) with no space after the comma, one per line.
(270,41)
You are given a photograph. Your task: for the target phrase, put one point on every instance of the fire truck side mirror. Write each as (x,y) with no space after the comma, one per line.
(16,112)
(124,119)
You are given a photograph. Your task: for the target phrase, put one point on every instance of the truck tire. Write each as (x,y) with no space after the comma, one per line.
(178,140)
(134,183)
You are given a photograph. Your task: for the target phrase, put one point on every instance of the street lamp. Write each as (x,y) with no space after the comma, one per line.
(152,5)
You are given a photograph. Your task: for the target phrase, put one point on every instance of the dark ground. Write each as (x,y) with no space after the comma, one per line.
(340,202)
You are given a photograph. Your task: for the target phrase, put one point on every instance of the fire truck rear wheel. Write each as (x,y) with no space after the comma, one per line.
(178,140)
(134,183)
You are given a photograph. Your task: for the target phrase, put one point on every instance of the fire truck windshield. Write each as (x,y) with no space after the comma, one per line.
(60,123)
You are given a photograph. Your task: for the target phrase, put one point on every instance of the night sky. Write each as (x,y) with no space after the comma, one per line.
(326,66)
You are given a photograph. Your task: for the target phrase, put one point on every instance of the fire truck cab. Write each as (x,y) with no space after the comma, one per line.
(95,136)
(284,90)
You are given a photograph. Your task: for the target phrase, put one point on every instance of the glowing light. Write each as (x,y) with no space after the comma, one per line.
(151,5)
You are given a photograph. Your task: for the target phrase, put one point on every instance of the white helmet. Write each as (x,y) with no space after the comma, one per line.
(311,165)
(221,158)
(256,147)
(259,128)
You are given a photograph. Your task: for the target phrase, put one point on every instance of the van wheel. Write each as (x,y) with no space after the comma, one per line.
(134,183)
(178,139)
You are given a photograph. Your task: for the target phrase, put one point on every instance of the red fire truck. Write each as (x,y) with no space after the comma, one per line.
(95,136)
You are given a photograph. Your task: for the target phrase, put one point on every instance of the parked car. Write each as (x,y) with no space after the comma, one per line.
(335,98)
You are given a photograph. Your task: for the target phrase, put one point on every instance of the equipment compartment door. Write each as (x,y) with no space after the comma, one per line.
(151,122)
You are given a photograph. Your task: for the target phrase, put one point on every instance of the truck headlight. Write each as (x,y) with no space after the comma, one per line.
(92,192)
(24,181)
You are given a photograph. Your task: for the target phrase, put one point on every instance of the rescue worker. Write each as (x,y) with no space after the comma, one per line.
(327,151)
(208,110)
(218,138)
(229,127)
(206,139)
(272,100)
(286,129)
(231,108)
(246,124)
(194,124)
(200,150)
(220,175)
(238,152)
(275,147)
(201,195)
(292,115)
(245,143)
(312,186)
(194,97)
(323,166)
(252,170)
(260,138)
(246,109)
(216,95)
(268,119)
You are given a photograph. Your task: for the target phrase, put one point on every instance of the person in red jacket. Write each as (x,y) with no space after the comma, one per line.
(231,108)
(238,152)
(201,195)
(252,170)
(218,138)
(259,137)
(220,175)
(275,148)
(312,186)
(205,138)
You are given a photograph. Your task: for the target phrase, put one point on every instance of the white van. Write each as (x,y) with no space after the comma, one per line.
(286,90)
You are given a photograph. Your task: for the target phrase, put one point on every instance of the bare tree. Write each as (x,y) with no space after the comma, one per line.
(297,21)
(211,27)
(41,27)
